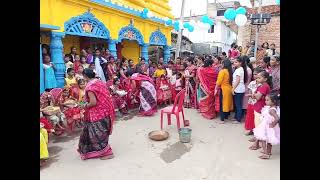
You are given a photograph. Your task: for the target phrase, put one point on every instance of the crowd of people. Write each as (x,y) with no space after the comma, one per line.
(97,86)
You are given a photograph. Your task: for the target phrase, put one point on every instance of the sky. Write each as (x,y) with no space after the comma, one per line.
(197,7)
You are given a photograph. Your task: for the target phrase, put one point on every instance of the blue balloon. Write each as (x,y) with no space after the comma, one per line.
(186,25)
(278,2)
(205,19)
(211,22)
(169,22)
(230,14)
(145,10)
(144,16)
(176,25)
(190,28)
(241,10)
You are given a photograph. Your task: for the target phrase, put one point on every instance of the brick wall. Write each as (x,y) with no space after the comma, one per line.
(268,33)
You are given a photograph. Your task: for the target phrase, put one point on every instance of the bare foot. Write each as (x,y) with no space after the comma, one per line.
(252,139)
(221,122)
(265,156)
(107,157)
(254,147)
(263,152)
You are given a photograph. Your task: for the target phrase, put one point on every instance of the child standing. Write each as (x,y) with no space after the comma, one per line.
(163,90)
(79,73)
(76,62)
(179,83)
(83,62)
(268,130)
(240,77)
(159,71)
(70,79)
(263,90)
(252,87)
(68,61)
(49,76)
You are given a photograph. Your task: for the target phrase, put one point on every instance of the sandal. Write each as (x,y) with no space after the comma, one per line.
(265,156)
(249,133)
(252,139)
(253,147)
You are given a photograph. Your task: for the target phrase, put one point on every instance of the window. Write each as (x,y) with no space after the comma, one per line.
(220,12)
(211,30)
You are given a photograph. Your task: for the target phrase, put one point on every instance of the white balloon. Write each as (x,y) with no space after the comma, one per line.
(149,14)
(207,26)
(240,19)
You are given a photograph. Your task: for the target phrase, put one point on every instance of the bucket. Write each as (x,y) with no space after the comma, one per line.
(185,135)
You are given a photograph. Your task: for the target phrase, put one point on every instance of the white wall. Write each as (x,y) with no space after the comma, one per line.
(222,36)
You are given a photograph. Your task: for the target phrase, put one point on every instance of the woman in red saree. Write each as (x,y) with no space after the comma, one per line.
(190,84)
(118,96)
(99,118)
(68,106)
(207,81)
(147,94)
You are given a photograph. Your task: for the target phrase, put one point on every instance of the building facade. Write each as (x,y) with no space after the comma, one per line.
(116,25)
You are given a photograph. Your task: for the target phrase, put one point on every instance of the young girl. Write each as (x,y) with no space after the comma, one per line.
(163,90)
(265,64)
(83,62)
(76,62)
(179,83)
(111,68)
(240,76)
(79,73)
(68,107)
(118,96)
(268,130)
(252,87)
(70,79)
(159,71)
(77,92)
(49,76)
(263,90)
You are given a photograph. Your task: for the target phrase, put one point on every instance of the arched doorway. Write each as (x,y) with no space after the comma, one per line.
(131,39)
(158,47)
(85,31)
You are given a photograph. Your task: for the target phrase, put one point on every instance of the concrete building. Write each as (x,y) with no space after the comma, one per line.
(219,37)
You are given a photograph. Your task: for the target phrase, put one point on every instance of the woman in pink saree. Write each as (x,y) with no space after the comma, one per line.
(99,117)
(207,76)
(147,94)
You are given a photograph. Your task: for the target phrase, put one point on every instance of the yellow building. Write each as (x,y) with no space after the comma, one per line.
(117,25)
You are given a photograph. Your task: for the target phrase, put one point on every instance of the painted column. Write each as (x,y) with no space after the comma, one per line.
(166,54)
(144,52)
(113,48)
(56,47)
(41,72)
